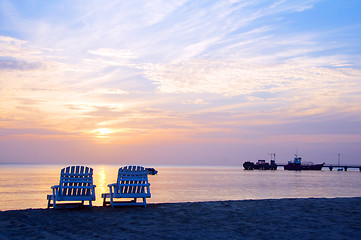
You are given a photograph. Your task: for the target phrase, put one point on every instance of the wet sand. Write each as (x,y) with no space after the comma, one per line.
(336,218)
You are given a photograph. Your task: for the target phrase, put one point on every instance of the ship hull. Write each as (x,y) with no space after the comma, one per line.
(252,166)
(298,167)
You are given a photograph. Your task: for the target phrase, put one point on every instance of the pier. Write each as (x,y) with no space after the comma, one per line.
(332,166)
(341,167)
(344,167)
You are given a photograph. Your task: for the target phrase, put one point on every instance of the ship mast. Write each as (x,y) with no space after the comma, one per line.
(273,156)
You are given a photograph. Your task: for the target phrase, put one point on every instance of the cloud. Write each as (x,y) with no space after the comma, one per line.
(242,77)
(111,91)
(114,53)
(104,112)
(31,131)
(9,63)
(198,101)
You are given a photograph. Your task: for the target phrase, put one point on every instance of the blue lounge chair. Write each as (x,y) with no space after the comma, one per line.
(76,184)
(132,183)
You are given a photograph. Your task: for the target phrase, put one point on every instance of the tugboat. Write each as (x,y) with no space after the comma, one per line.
(261,164)
(297,165)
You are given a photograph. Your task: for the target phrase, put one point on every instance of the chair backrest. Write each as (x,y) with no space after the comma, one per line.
(132,179)
(76,181)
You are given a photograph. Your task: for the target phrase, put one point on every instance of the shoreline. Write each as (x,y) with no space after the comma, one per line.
(300,218)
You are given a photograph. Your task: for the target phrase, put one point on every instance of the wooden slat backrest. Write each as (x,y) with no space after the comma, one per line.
(129,177)
(76,181)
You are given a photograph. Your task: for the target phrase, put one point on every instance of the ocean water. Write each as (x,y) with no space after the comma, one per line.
(24,186)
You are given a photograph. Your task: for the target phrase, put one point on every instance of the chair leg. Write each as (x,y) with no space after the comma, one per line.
(145,202)
(111,196)
(111,200)
(90,203)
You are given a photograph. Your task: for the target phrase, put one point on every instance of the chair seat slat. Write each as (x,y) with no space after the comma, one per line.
(132,195)
(76,179)
(126,174)
(79,187)
(132,179)
(76,175)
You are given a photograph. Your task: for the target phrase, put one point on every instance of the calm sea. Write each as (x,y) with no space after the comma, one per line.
(25,186)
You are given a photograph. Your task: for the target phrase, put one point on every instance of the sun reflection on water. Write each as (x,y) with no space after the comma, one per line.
(103,176)
(102,179)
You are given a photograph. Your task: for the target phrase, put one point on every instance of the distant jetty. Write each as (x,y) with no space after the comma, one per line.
(343,167)
(296,165)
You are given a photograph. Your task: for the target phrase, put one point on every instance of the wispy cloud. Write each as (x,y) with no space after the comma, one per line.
(9,63)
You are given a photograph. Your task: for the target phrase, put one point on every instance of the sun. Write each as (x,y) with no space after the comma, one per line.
(102,132)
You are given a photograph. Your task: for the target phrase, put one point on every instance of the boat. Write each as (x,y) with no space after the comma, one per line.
(261,165)
(298,165)
(151,171)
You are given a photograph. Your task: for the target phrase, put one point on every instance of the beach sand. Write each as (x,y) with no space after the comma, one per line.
(336,218)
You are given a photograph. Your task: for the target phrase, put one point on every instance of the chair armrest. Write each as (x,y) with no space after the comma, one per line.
(112,188)
(55,190)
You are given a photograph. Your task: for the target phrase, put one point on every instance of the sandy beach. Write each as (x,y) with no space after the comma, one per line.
(336,218)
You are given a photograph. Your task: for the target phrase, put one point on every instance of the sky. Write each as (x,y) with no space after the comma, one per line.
(180,82)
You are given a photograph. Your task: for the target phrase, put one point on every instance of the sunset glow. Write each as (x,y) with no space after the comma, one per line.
(179,82)
(102,132)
